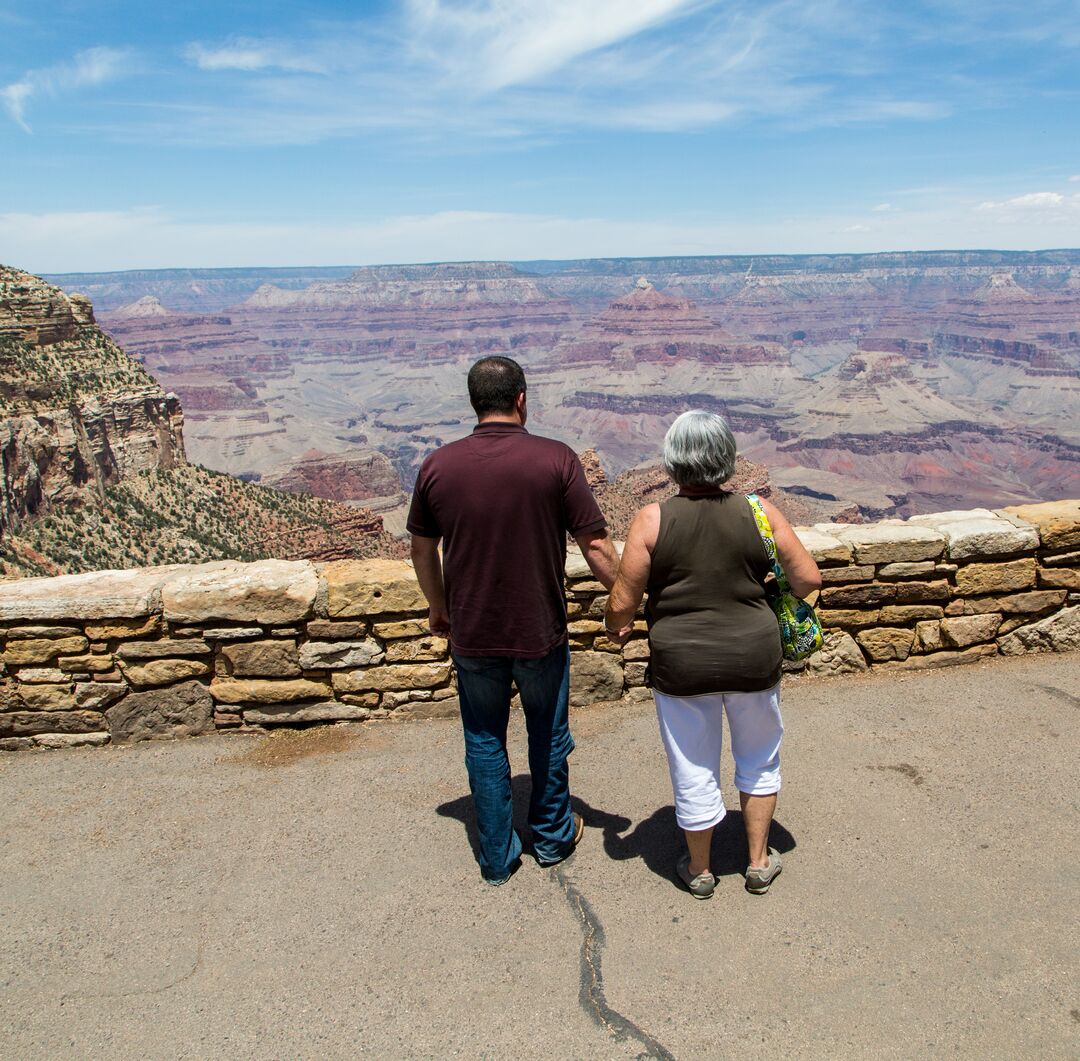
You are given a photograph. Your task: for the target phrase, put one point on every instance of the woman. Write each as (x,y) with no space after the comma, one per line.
(714,640)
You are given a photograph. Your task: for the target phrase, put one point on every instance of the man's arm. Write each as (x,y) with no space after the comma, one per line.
(599,552)
(428,565)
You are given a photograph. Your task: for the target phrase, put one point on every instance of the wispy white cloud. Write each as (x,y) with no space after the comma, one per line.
(94,66)
(250,55)
(1030,201)
(885,208)
(498,43)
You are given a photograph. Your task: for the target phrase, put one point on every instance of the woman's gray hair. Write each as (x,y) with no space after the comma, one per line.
(699,449)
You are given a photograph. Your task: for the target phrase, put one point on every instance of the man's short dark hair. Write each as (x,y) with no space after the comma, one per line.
(494,384)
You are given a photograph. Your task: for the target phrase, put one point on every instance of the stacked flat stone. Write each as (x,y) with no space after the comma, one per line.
(157,653)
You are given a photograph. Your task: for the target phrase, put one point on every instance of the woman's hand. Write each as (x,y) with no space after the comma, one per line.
(619,637)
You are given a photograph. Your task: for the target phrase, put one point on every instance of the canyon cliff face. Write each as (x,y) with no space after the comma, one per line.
(886,384)
(76,415)
(94,466)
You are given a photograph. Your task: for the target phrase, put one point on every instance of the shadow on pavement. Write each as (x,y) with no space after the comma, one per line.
(657,840)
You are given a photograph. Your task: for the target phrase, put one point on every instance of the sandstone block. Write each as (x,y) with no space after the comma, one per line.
(124,628)
(92,664)
(975,534)
(48,697)
(70,740)
(329,630)
(182,710)
(927,637)
(887,543)
(585,590)
(37,675)
(259,691)
(423,648)
(635,673)
(162,648)
(96,696)
(839,654)
(968,630)
(594,676)
(93,595)
(975,579)
(42,650)
(289,714)
(337,655)
(1008,625)
(922,592)
(638,649)
(598,607)
(857,596)
(1058,522)
(934,660)
(638,694)
(852,618)
(368,700)
(946,569)
(824,546)
(263,659)
(227,633)
(1059,578)
(851,573)
(164,671)
(885,643)
(371,587)
(396,699)
(573,609)
(22,633)
(1039,600)
(392,678)
(895,614)
(584,627)
(1070,558)
(1056,633)
(29,723)
(413,711)
(267,592)
(576,568)
(603,644)
(907,569)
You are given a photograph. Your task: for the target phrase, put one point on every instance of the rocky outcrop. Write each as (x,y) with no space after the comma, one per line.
(38,313)
(355,475)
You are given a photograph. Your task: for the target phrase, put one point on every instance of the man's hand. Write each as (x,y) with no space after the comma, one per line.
(622,636)
(439,622)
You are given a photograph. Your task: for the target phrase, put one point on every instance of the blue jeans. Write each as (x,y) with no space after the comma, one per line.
(484,689)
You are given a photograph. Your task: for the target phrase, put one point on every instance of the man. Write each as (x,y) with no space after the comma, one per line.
(502,501)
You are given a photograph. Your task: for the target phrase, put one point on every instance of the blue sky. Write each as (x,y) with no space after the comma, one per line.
(240,134)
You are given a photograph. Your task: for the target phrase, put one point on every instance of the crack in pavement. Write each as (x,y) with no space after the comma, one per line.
(1060,694)
(591,996)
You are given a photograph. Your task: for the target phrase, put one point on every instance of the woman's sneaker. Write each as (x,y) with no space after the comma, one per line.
(758,879)
(701,886)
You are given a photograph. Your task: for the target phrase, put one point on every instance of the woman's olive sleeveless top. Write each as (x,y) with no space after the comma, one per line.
(711,628)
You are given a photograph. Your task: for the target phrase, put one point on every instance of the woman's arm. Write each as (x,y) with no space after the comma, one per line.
(633,574)
(802,573)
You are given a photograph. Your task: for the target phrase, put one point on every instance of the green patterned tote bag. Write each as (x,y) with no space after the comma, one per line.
(800,628)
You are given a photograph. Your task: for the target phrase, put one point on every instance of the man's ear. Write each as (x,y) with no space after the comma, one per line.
(521,406)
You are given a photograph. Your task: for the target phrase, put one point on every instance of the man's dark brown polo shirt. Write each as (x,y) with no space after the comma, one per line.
(503,502)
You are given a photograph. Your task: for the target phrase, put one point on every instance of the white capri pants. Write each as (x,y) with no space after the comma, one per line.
(693,735)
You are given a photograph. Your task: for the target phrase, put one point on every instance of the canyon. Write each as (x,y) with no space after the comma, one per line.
(868,385)
(95,472)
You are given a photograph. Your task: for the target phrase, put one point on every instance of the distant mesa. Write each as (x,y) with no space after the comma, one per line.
(648,324)
(147,306)
(353,475)
(1002,287)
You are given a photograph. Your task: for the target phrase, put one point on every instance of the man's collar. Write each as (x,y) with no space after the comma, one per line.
(497,425)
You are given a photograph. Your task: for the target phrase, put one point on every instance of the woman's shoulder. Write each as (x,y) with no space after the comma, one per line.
(645,526)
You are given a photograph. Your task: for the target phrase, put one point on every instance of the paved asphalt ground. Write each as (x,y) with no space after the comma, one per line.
(314,894)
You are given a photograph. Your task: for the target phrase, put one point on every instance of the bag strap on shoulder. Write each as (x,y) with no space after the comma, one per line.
(765,530)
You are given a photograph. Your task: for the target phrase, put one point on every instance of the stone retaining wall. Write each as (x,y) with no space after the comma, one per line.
(156,653)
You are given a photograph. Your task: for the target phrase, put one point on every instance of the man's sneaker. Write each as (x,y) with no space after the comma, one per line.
(759,879)
(579,832)
(702,886)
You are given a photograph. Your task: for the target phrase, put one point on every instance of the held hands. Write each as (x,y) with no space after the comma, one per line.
(621,636)
(439,622)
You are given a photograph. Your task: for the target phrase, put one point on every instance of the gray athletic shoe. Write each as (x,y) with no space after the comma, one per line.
(701,886)
(758,880)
